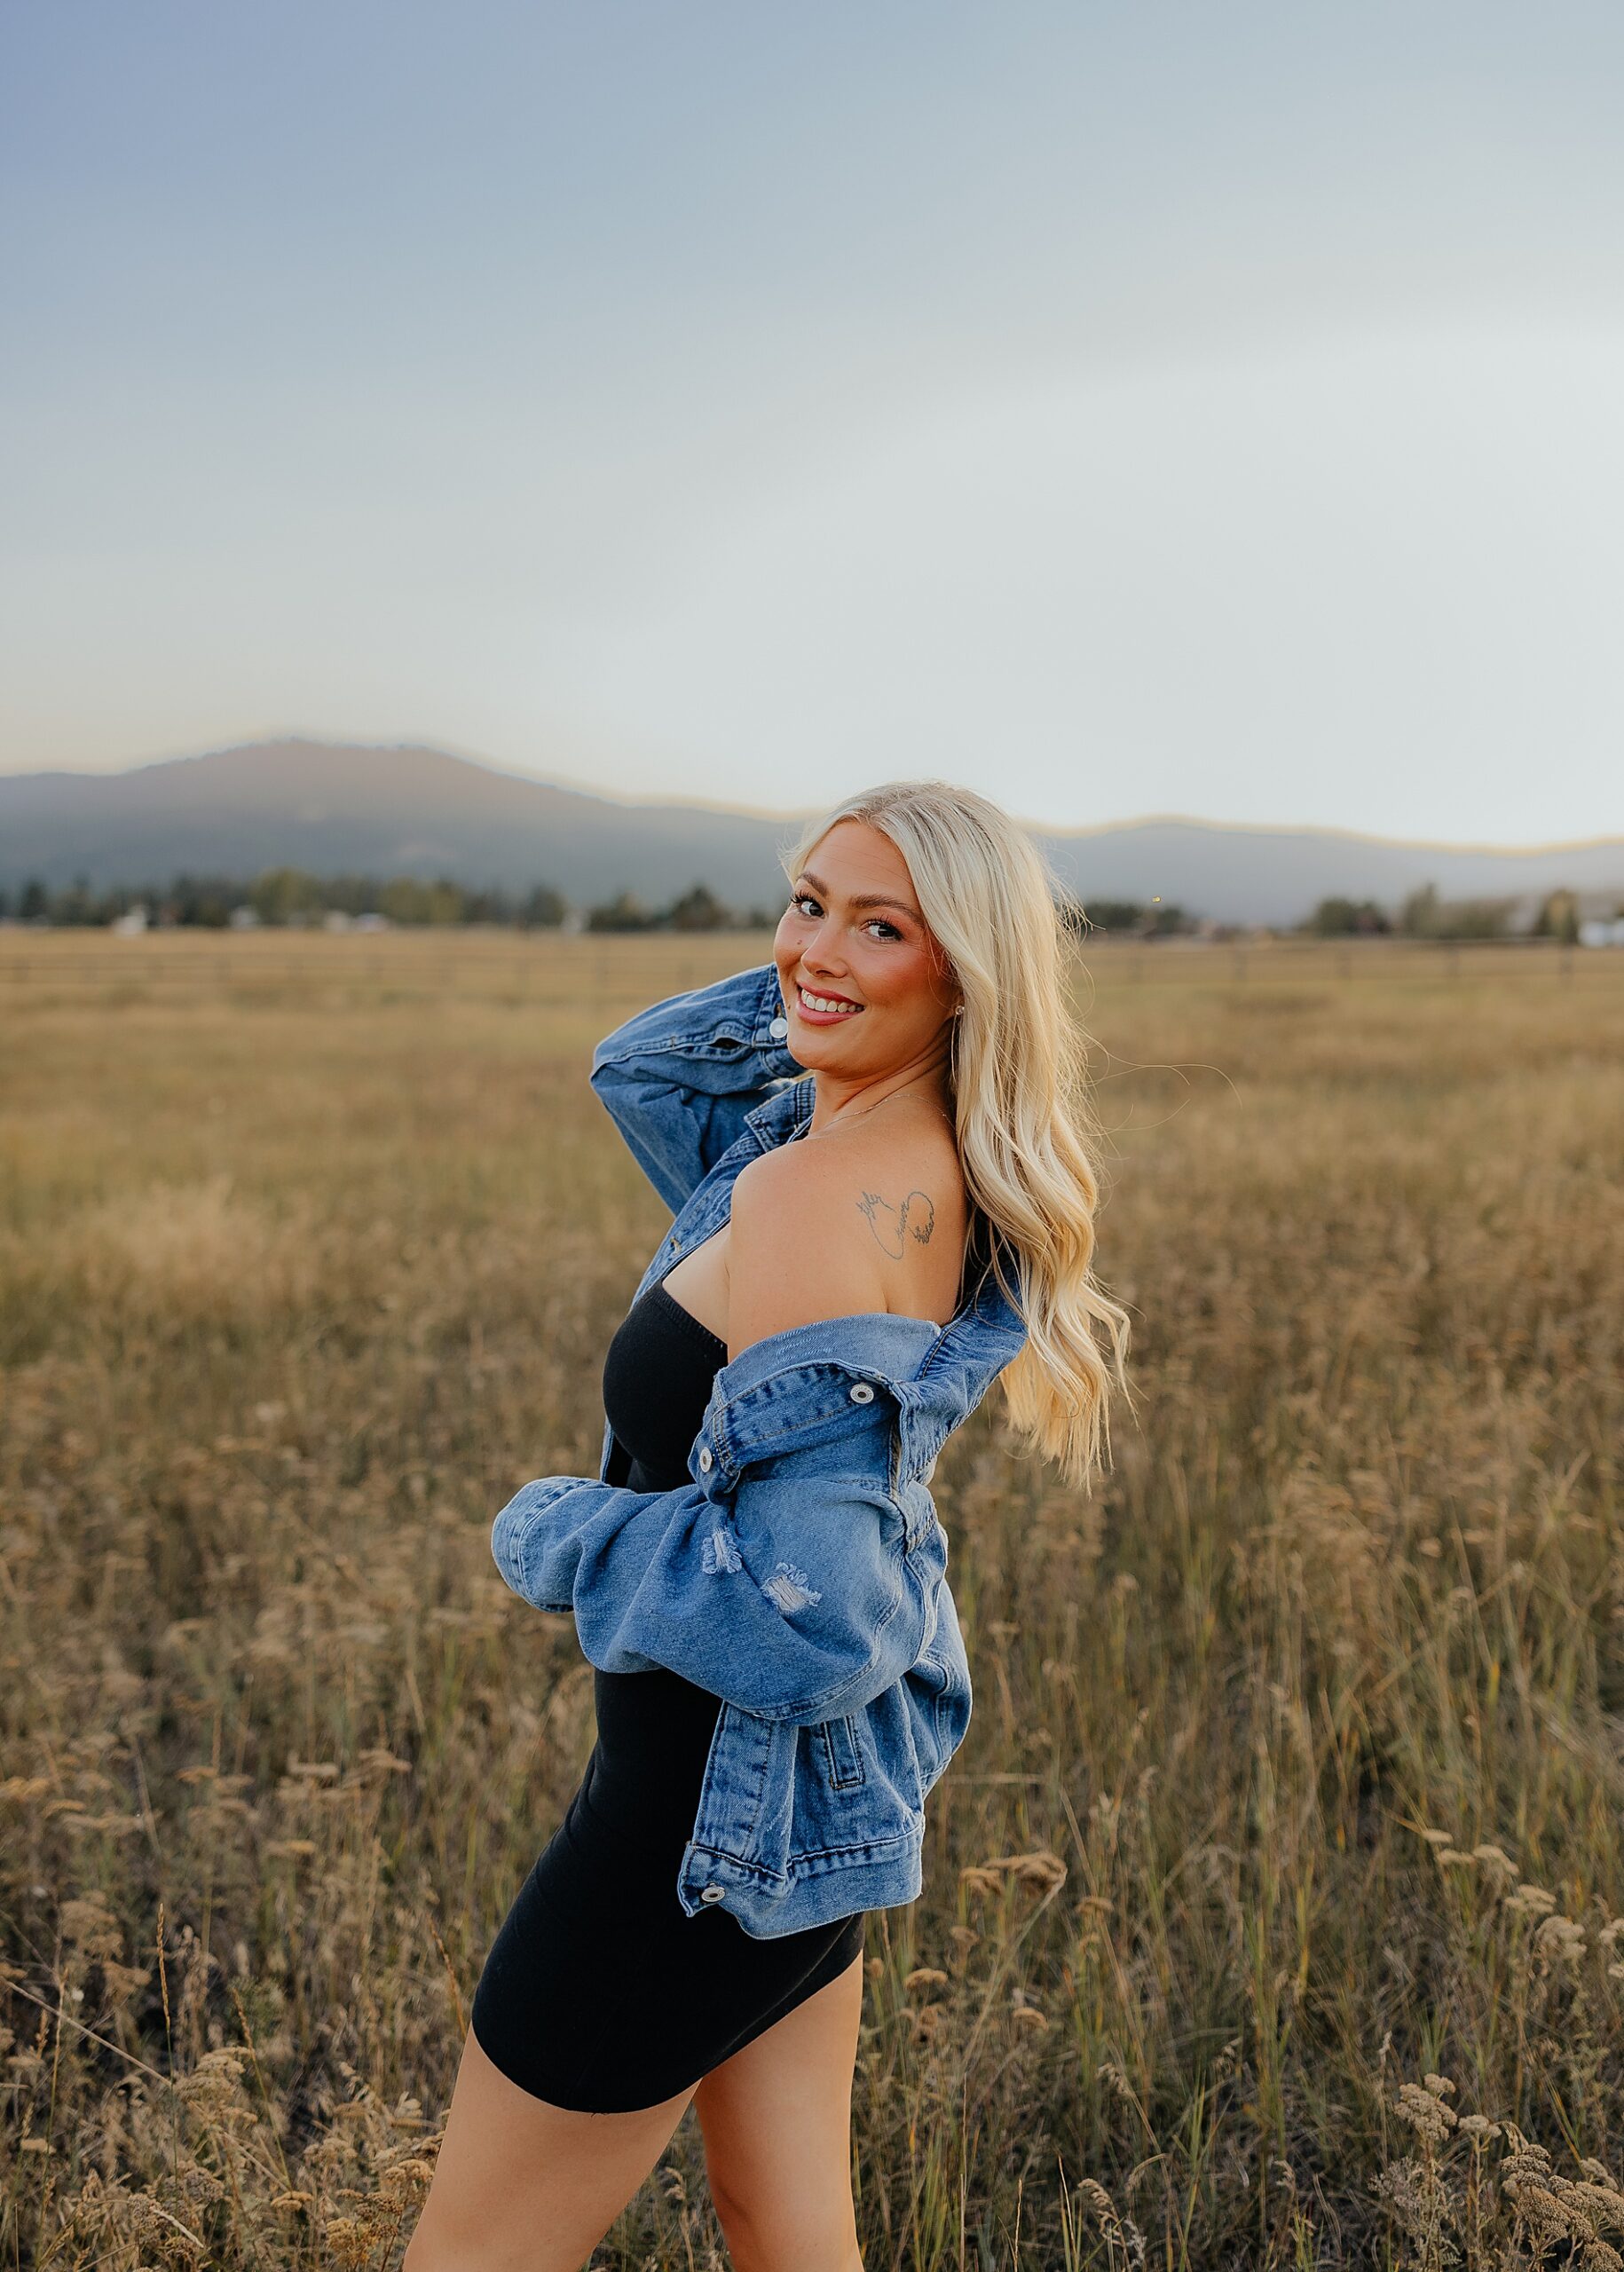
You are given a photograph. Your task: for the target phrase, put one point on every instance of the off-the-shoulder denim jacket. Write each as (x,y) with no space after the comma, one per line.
(800,1573)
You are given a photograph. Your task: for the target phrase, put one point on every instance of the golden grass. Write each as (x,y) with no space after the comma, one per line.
(1273,1909)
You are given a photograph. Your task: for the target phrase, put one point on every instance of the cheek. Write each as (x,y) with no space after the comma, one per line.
(907,984)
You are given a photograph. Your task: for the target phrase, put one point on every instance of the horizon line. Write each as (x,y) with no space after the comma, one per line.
(656,802)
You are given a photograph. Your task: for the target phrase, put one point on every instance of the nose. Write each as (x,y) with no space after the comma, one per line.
(816,954)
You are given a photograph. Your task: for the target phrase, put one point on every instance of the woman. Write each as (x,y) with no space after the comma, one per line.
(758,1575)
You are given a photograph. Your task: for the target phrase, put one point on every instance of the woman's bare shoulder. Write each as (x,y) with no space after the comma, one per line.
(865,1219)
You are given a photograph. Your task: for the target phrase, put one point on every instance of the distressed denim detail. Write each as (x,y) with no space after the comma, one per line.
(788,1591)
(842,1699)
(719,1558)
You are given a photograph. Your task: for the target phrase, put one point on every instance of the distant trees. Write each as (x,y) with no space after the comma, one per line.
(697,909)
(1133,917)
(1425,916)
(624,913)
(1346,918)
(293,899)
(1558,918)
(542,908)
(288,898)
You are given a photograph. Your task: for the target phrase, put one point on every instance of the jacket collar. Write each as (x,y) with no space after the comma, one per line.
(784,1113)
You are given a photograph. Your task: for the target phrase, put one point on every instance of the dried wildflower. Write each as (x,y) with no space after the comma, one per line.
(1559,1940)
(1419,2199)
(1497,1862)
(1554,2209)
(1425,2112)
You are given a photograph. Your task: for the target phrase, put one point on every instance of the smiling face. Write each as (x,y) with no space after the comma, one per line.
(853,932)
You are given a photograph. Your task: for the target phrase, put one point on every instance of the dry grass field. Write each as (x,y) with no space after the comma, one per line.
(1274,1907)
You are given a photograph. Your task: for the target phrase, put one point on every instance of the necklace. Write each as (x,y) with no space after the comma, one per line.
(861,1110)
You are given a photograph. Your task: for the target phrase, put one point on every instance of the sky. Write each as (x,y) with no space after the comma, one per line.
(1129,409)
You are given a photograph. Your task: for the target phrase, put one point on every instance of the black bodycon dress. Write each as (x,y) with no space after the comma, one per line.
(599,1992)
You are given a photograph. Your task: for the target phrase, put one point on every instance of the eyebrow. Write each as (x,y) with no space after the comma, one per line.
(864,898)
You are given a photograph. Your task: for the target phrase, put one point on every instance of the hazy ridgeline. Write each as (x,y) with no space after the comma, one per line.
(1297,1772)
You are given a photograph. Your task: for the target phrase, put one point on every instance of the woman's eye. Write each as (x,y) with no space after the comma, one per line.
(805,899)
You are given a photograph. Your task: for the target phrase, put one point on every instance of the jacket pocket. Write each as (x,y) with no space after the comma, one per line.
(939,1702)
(842,1754)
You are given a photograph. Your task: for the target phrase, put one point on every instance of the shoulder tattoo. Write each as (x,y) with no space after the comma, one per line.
(894,1226)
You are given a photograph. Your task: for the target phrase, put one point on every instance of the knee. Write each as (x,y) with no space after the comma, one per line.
(789,2231)
(436,2247)
(425,2254)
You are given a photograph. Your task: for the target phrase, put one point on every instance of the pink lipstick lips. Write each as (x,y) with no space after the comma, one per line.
(824,1017)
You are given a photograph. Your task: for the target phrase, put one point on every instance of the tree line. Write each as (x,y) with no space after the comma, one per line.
(292,898)
(1424,915)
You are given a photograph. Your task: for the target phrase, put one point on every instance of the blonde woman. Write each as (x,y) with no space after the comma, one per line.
(878,1151)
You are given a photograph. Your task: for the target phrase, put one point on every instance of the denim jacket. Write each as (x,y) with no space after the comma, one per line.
(800,1574)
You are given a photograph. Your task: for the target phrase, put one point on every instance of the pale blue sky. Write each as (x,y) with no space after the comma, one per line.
(1123,409)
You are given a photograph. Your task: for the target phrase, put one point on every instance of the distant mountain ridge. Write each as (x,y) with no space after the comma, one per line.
(410,810)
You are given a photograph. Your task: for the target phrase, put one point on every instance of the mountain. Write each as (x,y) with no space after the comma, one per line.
(354,808)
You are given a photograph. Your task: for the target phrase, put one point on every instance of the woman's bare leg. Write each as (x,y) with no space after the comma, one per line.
(521,2186)
(776,2118)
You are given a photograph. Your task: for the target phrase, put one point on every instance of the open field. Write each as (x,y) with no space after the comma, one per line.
(1297,1773)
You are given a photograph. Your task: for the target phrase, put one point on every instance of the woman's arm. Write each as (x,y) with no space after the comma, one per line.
(797,1598)
(678,1079)
(784,1575)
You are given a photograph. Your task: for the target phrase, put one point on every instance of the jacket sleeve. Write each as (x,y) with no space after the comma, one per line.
(678,1077)
(797,1604)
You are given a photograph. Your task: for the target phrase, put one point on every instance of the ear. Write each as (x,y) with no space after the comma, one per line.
(943,978)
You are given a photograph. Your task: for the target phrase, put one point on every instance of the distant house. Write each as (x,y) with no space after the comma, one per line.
(1598,918)
(131,924)
(244,918)
(1595,913)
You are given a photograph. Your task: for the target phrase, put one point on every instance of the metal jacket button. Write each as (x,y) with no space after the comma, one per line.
(711,1893)
(862,1392)
(704,1458)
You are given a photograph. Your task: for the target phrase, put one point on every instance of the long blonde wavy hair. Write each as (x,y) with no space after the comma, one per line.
(1025,1126)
